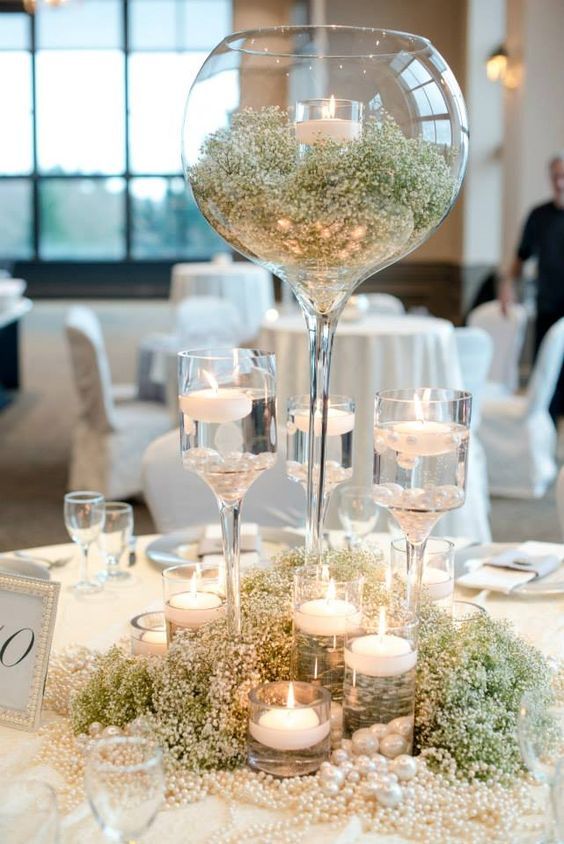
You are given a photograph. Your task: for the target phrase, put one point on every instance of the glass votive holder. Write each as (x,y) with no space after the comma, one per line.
(466,612)
(438,570)
(325,609)
(328,119)
(148,634)
(289,728)
(379,684)
(193,596)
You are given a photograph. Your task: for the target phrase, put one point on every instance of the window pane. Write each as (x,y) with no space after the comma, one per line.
(158,86)
(178,24)
(92,23)
(14,32)
(16,141)
(15,219)
(82,218)
(80,111)
(166,222)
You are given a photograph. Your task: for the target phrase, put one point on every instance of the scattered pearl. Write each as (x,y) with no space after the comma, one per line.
(389,795)
(393,745)
(404,767)
(403,726)
(379,730)
(364,742)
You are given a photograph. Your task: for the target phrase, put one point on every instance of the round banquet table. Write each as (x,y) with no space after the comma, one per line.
(382,352)
(247,285)
(98,621)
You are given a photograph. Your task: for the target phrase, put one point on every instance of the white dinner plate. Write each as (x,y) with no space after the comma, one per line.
(177,547)
(545,587)
(24,568)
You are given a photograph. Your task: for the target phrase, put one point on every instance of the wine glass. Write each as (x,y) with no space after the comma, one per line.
(227,402)
(358,513)
(420,462)
(114,539)
(540,730)
(324,153)
(84,518)
(340,425)
(28,813)
(124,781)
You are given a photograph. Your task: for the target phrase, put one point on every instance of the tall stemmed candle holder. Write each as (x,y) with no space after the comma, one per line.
(339,443)
(379,685)
(227,402)
(420,461)
(325,609)
(324,153)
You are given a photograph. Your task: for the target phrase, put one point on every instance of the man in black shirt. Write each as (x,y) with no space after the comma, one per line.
(543,239)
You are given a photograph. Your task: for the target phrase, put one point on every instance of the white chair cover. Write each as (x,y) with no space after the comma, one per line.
(108,441)
(385,303)
(178,498)
(475,352)
(508,335)
(203,321)
(517,432)
(560,499)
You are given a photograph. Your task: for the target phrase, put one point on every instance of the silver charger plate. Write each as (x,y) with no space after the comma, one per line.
(545,587)
(177,547)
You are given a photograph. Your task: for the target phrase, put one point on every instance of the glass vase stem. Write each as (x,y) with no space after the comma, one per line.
(231,530)
(415,559)
(321,330)
(83,563)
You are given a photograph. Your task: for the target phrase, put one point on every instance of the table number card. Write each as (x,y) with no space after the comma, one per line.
(27,619)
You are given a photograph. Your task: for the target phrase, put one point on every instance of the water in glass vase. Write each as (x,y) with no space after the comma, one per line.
(230,454)
(338,466)
(420,469)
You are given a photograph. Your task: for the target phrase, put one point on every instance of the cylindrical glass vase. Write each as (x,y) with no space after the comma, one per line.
(289,728)
(379,685)
(148,634)
(193,596)
(438,570)
(325,610)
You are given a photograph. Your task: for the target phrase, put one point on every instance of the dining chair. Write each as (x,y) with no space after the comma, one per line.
(385,303)
(518,433)
(508,335)
(109,437)
(178,498)
(475,351)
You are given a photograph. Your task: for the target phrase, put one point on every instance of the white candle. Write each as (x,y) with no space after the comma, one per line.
(380,654)
(438,583)
(327,127)
(216,404)
(289,727)
(193,609)
(149,643)
(339,422)
(329,616)
(422,438)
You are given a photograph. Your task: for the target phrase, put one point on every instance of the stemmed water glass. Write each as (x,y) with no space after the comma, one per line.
(540,729)
(28,813)
(420,461)
(84,518)
(340,425)
(114,538)
(125,783)
(227,402)
(324,153)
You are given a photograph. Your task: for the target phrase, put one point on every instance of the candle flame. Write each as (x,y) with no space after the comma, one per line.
(382,623)
(211,380)
(331,593)
(291,701)
(328,111)
(421,404)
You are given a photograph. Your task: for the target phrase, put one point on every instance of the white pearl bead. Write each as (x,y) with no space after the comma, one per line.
(379,730)
(331,789)
(364,742)
(393,745)
(403,726)
(389,795)
(339,756)
(404,767)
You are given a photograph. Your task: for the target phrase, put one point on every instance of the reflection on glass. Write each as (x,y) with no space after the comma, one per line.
(15,218)
(82,218)
(80,111)
(177,24)
(94,23)
(157,83)
(166,222)
(16,153)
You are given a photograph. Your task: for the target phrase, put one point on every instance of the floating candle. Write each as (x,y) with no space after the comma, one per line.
(329,125)
(329,616)
(148,634)
(289,727)
(216,404)
(437,583)
(380,654)
(339,422)
(194,608)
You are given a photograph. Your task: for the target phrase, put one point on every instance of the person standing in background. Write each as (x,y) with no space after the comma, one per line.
(543,239)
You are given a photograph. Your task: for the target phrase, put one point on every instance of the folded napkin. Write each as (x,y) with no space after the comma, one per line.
(211,541)
(509,569)
(248,559)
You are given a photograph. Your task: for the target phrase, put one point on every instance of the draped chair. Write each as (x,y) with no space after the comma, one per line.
(508,336)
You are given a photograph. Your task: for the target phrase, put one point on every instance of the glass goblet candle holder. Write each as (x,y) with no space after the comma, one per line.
(193,596)
(379,685)
(438,570)
(289,728)
(325,609)
(148,634)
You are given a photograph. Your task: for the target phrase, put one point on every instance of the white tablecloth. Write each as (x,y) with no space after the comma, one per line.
(381,352)
(100,620)
(247,285)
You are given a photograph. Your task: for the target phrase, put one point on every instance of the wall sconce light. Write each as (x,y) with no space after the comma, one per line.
(496,64)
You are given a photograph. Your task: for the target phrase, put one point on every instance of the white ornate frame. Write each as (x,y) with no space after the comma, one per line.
(48,593)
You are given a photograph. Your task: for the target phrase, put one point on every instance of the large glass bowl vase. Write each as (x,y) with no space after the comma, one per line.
(324,154)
